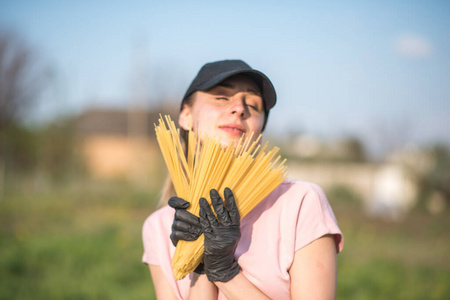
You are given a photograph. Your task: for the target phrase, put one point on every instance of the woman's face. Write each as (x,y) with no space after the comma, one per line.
(230,109)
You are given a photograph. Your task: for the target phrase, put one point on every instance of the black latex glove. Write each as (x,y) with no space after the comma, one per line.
(185,226)
(222,235)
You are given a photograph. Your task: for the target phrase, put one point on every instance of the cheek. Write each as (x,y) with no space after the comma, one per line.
(256,124)
(204,121)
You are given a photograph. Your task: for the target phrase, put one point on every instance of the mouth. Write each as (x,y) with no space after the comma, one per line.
(233,129)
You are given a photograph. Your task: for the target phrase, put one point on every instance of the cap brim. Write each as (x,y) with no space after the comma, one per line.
(267,89)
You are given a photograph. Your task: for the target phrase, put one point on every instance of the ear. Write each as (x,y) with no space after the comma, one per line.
(185,119)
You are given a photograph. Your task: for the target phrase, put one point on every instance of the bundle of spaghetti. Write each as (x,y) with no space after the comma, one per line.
(250,171)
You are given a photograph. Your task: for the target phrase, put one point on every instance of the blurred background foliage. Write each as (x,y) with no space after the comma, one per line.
(66,234)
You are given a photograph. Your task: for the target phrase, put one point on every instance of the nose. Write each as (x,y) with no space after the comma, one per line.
(238,108)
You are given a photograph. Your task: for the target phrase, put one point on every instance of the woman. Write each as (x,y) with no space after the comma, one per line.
(285,248)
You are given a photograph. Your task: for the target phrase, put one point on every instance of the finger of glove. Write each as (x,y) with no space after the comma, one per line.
(173,239)
(185,227)
(176,202)
(232,208)
(212,221)
(187,217)
(200,269)
(221,212)
(182,235)
(206,227)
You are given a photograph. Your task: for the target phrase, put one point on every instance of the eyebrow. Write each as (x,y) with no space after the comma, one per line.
(230,86)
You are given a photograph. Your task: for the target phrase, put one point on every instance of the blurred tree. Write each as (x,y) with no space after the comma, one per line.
(59,154)
(19,148)
(20,83)
(432,175)
(356,149)
(390,134)
(347,149)
(438,177)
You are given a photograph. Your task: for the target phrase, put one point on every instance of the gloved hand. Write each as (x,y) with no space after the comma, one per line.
(185,226)
(222,235)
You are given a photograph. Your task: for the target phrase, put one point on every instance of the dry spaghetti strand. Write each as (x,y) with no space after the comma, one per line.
(248,169)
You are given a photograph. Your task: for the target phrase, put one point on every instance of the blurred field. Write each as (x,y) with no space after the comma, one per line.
(79,242)
(388,260)
(83,241)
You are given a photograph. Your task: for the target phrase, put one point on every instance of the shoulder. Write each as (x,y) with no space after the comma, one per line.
(292,183)
(289,198)
(308,195)
(307,203)
(298,190)
(315,217)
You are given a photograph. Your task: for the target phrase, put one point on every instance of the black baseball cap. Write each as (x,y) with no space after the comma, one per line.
(213,73)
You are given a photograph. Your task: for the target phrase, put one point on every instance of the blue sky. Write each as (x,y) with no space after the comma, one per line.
(364,68)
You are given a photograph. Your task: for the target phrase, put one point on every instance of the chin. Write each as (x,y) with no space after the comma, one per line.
(226,141)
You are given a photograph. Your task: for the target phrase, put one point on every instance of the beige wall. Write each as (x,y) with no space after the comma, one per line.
(382,186)
(134,158)
(358,176)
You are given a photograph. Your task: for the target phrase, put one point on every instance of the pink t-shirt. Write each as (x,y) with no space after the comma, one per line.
(292,216)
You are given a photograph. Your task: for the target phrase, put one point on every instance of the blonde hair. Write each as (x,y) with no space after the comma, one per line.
(167,192)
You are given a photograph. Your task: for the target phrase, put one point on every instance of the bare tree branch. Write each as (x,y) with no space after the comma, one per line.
(19,81)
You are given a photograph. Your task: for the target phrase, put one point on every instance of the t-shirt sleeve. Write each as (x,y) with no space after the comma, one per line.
(316,219)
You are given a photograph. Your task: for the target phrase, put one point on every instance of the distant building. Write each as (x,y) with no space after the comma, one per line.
(312,148)
(121,143)
(387,189)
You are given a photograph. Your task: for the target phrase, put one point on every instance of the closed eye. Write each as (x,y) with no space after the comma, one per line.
(254,107)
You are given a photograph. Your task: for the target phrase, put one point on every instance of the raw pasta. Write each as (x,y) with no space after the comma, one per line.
(247,169)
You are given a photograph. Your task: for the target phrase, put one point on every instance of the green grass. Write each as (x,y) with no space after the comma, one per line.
(407,259)
(83,241)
